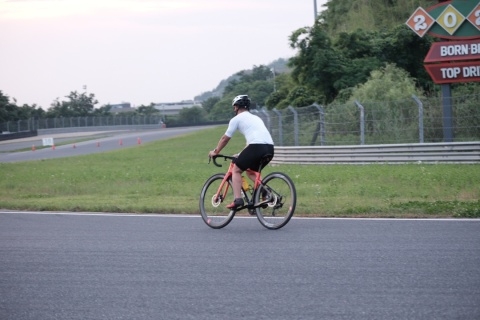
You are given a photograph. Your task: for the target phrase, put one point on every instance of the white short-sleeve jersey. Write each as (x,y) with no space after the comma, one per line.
(251,126)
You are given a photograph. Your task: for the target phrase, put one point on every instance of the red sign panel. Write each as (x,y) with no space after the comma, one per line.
(442,73)
(453,50)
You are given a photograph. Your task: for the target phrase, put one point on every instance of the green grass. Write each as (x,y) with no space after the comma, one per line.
(166,177)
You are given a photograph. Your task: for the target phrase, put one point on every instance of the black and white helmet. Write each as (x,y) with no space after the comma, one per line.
(242,101)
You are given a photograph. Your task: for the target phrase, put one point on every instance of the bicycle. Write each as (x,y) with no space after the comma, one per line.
(272,199)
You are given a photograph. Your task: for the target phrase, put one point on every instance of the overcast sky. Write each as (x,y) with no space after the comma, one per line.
(139,51)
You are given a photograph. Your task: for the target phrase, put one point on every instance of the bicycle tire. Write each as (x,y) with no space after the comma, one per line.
(213,210)
(280,190)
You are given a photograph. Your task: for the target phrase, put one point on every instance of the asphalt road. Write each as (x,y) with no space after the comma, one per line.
(97,266)
(96,142)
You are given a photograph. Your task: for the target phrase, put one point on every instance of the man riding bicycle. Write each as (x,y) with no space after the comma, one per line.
(259,144)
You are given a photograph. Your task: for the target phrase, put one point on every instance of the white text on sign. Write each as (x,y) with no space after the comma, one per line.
(460,50)
(465,72)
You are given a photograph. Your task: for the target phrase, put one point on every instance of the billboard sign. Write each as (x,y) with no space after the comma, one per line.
(453,20)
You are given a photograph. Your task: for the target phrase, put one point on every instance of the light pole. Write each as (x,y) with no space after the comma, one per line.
(274,85)
(315,9)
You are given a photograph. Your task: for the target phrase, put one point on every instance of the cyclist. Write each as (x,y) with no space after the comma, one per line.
(259,144)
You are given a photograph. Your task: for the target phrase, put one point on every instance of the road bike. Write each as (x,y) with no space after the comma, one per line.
(272,198)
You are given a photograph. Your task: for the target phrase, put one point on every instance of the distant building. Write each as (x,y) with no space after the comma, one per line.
(173,108)
(121,107)
(165,108)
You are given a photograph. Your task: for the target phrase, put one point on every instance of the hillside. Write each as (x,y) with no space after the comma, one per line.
(279,65)
(346,16)
(368,15)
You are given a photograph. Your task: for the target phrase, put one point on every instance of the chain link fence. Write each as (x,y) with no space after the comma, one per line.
(392,122)
(78,122)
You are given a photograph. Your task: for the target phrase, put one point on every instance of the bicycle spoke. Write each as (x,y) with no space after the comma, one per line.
(213,203)
(278,196)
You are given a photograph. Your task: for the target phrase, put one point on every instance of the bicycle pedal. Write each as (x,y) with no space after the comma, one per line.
(262,204)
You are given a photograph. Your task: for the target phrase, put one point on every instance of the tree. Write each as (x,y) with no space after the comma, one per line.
(103,111)
(407,50)
(317,64)
(257,83)
(8,111)
(78,105)
(279,98)
(192,115)
(147,110)
(386,96)
(11,112)
(208,104)
(301,96)
(26,112)
(386,84)
(222,110)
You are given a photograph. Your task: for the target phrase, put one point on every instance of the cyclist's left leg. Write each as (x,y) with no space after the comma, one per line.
(237,188)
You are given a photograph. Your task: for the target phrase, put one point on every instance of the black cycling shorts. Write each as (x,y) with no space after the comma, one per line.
(251,156)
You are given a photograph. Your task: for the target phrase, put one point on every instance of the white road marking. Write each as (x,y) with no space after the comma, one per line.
(152,215)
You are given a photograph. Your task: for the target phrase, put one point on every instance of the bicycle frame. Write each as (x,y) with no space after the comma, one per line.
(223,188)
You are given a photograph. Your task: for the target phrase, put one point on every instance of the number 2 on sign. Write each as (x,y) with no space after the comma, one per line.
(420,23)
(477,14)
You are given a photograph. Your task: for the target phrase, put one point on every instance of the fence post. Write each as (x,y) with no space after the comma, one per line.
(447,113)
(265,112)
(420,118)
(295,124)
(321,124)
(280,130)
(362,122)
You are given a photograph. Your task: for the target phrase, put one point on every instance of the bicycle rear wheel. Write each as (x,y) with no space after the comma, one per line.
(279,197)
(212,206)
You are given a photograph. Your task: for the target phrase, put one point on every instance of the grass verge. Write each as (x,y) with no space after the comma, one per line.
(166,177)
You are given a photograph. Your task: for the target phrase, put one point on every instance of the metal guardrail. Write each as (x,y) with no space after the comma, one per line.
(18,135)
(453,152)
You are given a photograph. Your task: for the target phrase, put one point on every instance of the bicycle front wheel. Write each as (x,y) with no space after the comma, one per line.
(279,198)
(213,202)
